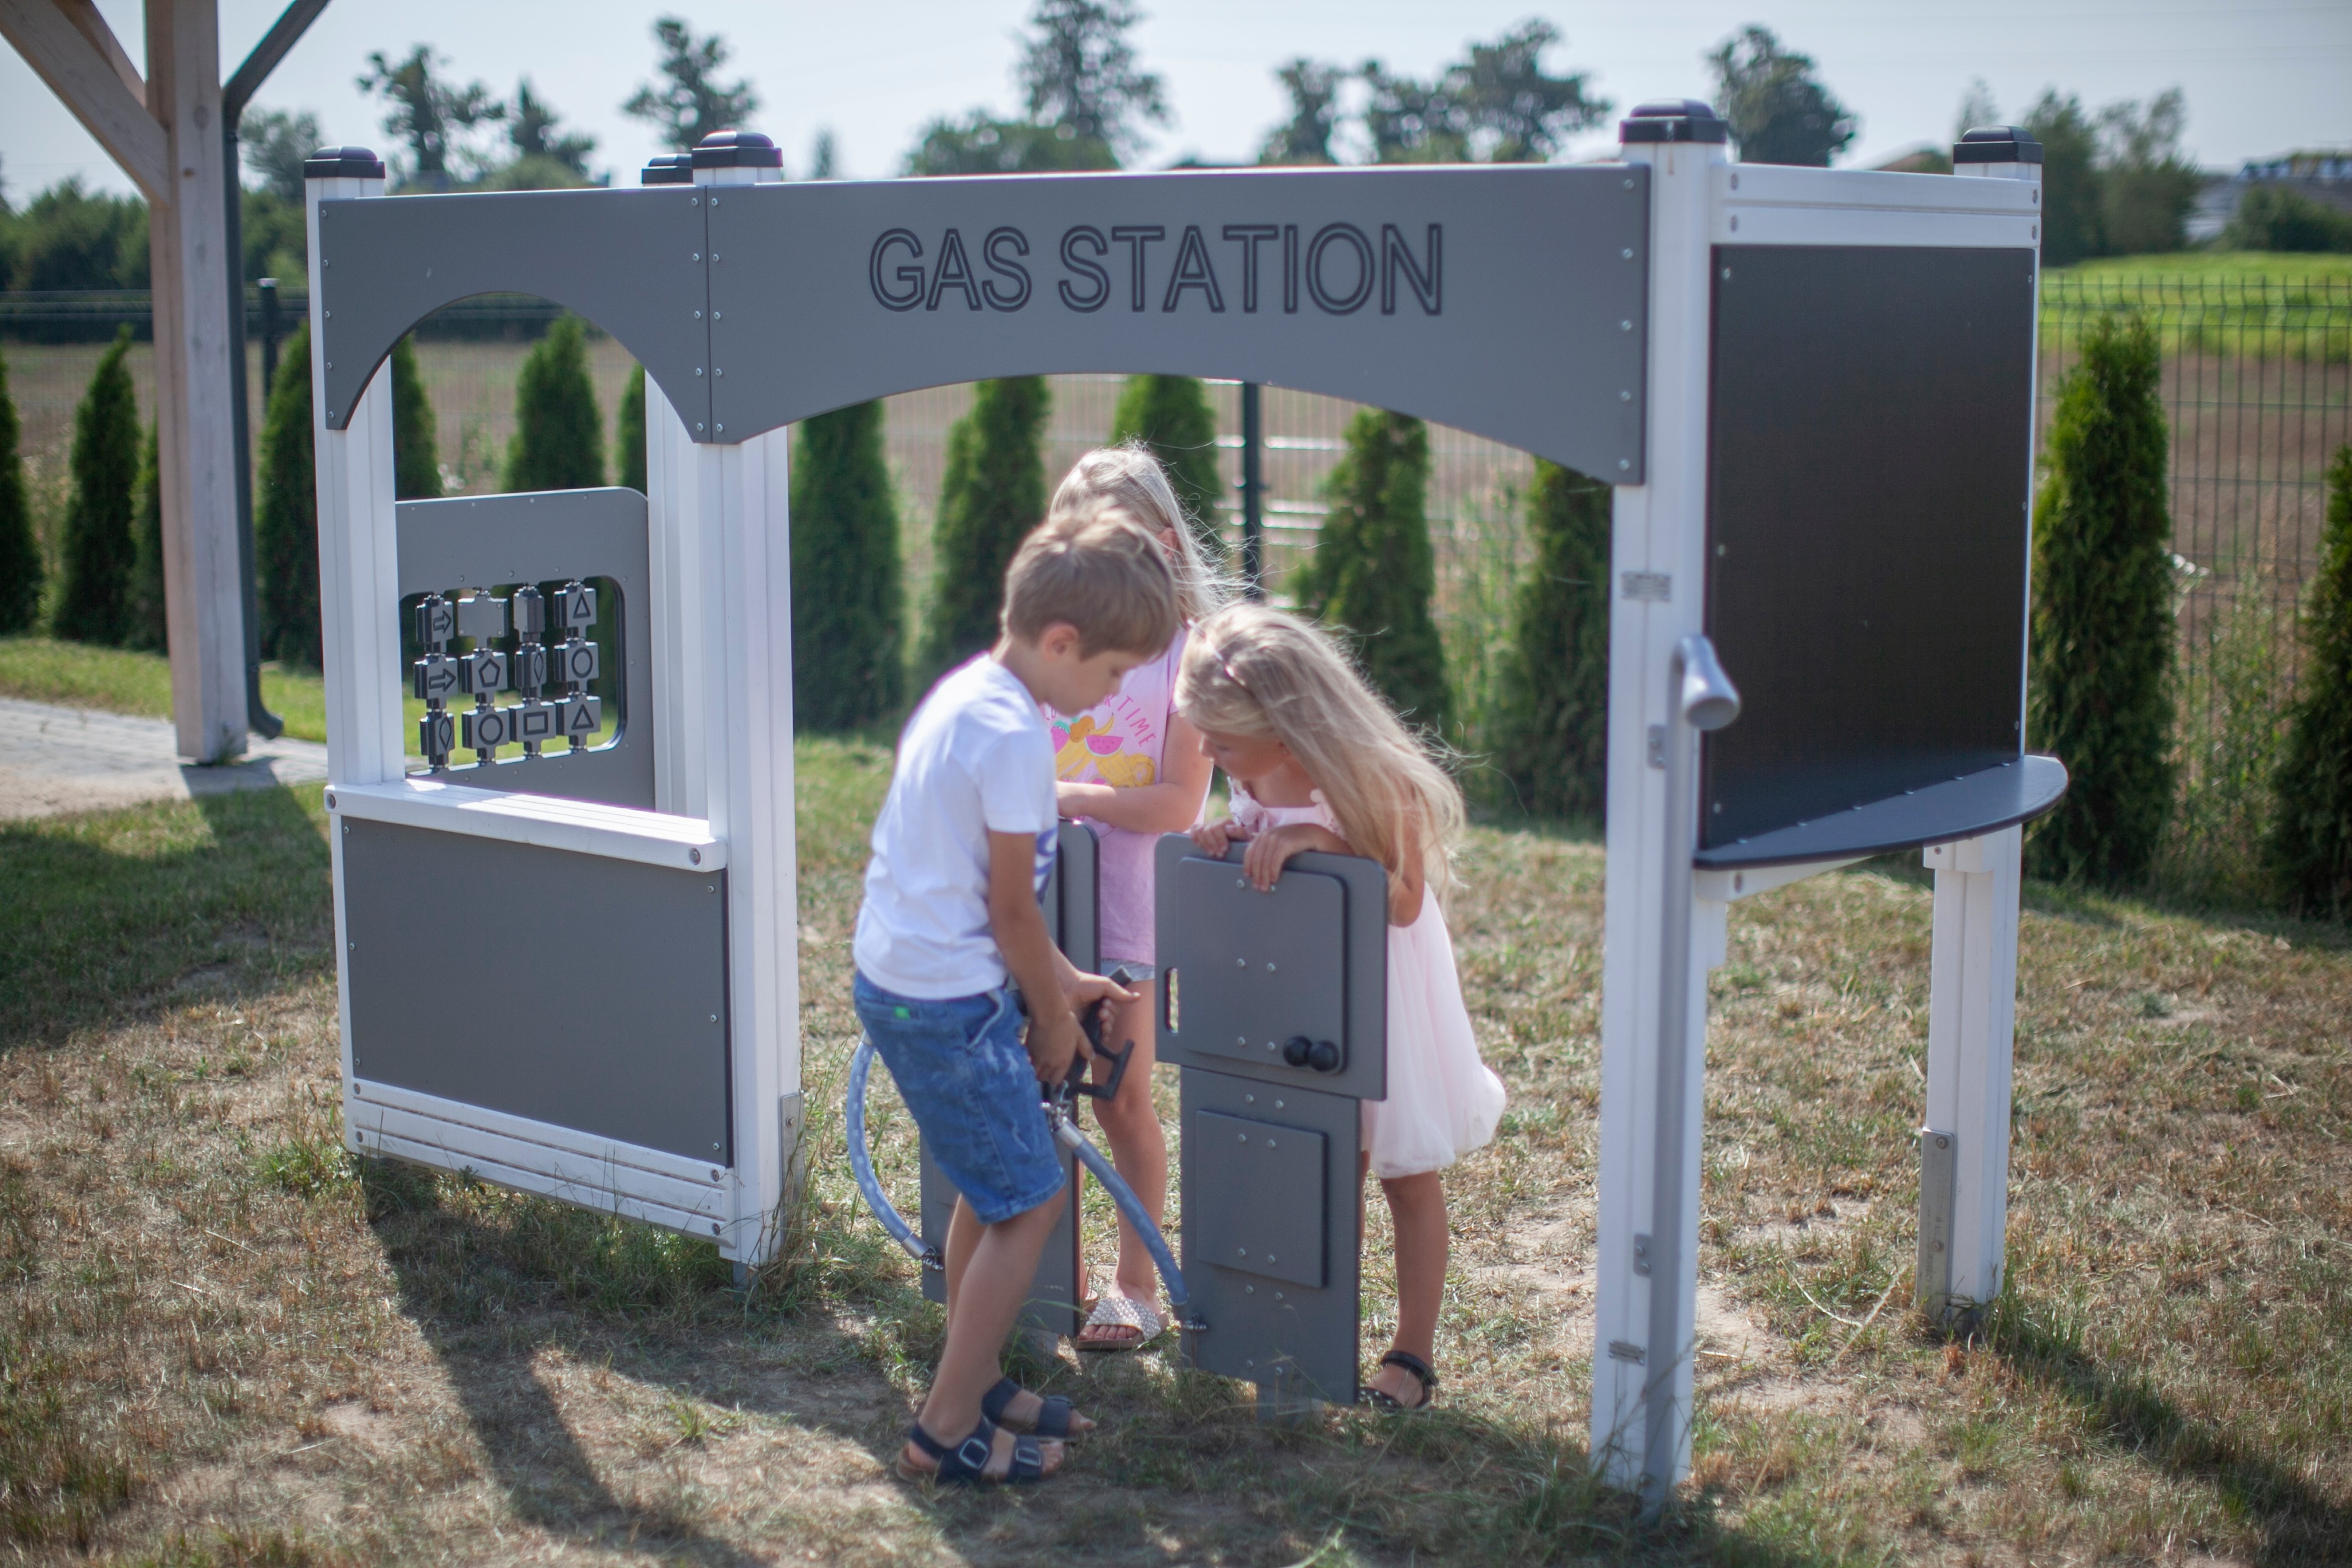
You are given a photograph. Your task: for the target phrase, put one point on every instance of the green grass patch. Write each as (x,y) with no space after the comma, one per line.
(2253,305)
(2269,266)
(76,675)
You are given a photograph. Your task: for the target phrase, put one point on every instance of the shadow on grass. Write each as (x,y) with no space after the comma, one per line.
(100,914)
(2042,1343)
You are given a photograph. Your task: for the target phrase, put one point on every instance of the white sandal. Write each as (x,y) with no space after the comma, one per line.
(1122,1312)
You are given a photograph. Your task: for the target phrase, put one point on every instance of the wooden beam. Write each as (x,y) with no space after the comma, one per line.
(195,333)
(57,38)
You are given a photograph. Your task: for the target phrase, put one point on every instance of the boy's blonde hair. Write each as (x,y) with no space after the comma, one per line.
(1130,477)
(1263,675)
(1099,569)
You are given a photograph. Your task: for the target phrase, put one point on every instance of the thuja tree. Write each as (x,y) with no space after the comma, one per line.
(2101,679)
(20,553)
(2311,835)
(848,659)
(629,433)
(1372,574)
(993,494)
(415,455)
(559,439)
(93,605)
(1552,724)
(144,616)
(1169,414)
(285,515)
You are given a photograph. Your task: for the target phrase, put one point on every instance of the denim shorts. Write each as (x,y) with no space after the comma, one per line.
(960,1069)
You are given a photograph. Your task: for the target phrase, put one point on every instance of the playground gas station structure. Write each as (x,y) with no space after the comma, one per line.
(1812,390)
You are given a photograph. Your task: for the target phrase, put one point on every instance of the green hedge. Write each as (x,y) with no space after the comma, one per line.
(20,553)
(2311,843)
(993,494)
(629,433)
(286,514)
(1373,574)
(559,439)
(415,457)
(1552,724)
(848,656)
(1169,414)
(145,624)
(94,604)
(2102,667)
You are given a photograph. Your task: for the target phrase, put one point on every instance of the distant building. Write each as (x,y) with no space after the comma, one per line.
(2324,175)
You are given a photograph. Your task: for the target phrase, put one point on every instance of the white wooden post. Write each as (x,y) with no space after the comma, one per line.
(359,566)
(1658,539)
(1971,1025)
(740,554)
(1972,990)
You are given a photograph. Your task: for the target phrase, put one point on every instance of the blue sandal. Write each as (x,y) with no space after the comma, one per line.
(1052,1420)
(966,1463)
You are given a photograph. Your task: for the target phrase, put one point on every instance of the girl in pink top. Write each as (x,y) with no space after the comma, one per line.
(1317,762)
(1131,769)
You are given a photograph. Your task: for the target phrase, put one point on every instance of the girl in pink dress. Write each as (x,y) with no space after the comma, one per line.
(1131,769)
(1317,762)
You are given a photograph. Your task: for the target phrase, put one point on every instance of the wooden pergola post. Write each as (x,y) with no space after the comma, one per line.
(166,132)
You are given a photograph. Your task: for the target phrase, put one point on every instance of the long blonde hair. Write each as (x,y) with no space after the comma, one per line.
(1129,477)
(1263,675)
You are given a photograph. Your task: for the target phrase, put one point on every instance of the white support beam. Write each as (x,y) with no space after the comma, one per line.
(70,48)
(1658,589)
(204,593)
(737,550)
(1971,1029)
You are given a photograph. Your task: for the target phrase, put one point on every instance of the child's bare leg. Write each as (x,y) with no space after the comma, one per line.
(1139,1148)
(1417,1205)
(989,1290)
(963,1235)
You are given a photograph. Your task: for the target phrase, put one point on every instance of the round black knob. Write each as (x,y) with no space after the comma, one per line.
(1298,1050)
(1323,1057)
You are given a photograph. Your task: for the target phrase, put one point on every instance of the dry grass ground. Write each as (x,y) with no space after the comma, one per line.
(221,1342)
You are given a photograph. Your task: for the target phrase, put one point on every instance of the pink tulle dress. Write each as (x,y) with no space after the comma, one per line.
(1443,1100)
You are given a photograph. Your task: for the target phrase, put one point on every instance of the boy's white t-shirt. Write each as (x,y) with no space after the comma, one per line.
(976,758)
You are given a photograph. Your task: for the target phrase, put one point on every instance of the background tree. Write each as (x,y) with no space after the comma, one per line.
(1778,110)
(1169,414)
(2271,217)
(689,103)
(415,454)
(981,143)
(848,647)
(2311,838)
(824,156)
(992,495)
(533,131)
(434,117)
(146,624)
(275,142)
(2147,187)
(2072,225)
(69,239)
(286,514)
(559,438)
(2101,673)
(1373,574)
(20,553)
(1514,112)
(1078,73)
(629,433)
(93,605)
(1306,137)
(1552,724)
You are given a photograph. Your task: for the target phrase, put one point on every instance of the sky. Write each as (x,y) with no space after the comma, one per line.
(2261,76)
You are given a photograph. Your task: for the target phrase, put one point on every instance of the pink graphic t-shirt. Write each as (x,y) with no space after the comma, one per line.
(1122,742)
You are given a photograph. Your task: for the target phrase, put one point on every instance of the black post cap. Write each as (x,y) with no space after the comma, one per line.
(737,149)
(1996,144)
(342,163)
(1674,120)
(668,169)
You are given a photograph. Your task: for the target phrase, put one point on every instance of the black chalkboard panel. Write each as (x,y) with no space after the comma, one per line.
(1869,434)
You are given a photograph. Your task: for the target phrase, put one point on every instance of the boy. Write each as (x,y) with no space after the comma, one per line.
(951,928)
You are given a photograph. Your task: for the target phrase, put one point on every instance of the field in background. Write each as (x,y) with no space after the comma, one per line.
(227,1343)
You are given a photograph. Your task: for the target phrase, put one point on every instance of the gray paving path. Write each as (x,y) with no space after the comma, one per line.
(55,760)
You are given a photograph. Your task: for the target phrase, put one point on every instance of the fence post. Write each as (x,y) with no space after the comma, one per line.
(1253,491)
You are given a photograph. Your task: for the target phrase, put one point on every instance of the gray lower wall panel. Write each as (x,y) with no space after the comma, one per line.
(573,989)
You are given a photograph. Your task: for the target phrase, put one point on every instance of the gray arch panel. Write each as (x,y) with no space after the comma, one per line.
(1510,301)
(631,261)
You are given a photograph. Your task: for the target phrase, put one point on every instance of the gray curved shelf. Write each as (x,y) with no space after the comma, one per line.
(1937,813)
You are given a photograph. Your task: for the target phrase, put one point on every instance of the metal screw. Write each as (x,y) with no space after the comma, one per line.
(1624,326)
(718,372)
(1629,253)
(1629,184)
(717,1175)
(1241,963)
(698,315)
(697,255)
(718,315)
(697,424)
(714,1017)
(694,856)
(1269,969)
(723,429)
(1626,463)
